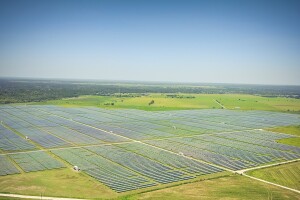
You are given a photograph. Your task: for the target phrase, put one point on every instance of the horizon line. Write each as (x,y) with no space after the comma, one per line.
(142,81)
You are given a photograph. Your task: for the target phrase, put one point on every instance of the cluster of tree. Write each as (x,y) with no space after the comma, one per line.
(25,90)
(180,96)
(109,104)
(151,102)
(127,95)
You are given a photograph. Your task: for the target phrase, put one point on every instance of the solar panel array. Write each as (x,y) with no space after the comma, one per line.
(9,141)
(115,176)
(43,138)
(7,166)
(178,162)
(133,149)
(36,161)
(148,167)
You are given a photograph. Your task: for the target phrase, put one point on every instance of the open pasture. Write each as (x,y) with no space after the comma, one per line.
(180,101)
(129,150)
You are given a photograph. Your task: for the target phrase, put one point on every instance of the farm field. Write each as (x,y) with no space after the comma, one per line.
(127,151)
(286,175)
(184,101)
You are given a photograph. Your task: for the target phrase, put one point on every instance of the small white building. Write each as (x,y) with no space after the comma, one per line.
(76,168)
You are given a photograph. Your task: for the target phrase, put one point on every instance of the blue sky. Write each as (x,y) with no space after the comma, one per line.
(234,41)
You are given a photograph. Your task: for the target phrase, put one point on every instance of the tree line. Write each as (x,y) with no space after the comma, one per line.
(19,90)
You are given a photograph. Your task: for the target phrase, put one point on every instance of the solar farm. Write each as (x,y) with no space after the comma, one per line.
(130,149)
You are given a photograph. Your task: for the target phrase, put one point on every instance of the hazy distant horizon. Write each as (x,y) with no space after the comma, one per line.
(137,81)
(231,42)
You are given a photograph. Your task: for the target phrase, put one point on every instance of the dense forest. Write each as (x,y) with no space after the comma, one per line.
(26,90)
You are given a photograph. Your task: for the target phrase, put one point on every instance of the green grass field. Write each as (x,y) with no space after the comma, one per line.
(293,130)
(10,198)
(200,101)
(290,141)
(233,187)
(58,182)
(286,175)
